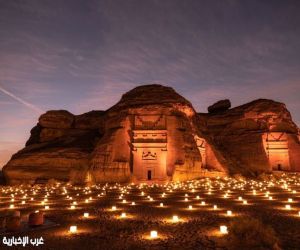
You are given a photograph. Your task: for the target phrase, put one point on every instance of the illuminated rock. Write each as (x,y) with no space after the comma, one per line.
(36,219)
(153,133)
(245,138)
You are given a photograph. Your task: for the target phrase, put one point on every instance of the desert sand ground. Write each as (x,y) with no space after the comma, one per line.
(198,227)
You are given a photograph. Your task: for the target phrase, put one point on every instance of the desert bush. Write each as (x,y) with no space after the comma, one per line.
(249,233)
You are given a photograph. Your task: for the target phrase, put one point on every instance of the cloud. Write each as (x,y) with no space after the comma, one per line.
(20,100)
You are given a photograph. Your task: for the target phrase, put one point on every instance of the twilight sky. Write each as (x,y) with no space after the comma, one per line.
(82,55)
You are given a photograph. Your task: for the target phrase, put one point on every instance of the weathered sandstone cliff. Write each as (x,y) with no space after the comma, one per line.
(153,133)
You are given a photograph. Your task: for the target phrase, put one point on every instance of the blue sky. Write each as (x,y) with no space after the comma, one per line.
(83,55)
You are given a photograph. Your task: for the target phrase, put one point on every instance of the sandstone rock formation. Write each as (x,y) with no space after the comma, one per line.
(153,133)
(219,106)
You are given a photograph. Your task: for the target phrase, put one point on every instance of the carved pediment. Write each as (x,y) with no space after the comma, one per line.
(148,155)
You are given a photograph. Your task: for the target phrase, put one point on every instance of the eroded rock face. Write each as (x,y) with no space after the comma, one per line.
(57,119)
(240,134)
(154,133)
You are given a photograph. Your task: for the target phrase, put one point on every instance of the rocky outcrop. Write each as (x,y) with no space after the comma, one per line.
(153,128)
(219,106)
(238,134)
(60,143)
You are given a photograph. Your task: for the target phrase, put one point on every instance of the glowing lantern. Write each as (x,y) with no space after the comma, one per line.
(175,218)
(73,229)
(223,230)
(153,234)
(86,215)
(190,207)
(123,215)
(46,207)
(133,203)
(113,208)
(215,207)
(229,213)
(72,207)
(290,200)
(161,204)
(11,206)
(288,207)
(202,203)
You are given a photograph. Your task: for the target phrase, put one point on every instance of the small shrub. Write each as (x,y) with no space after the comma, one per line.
(248,233)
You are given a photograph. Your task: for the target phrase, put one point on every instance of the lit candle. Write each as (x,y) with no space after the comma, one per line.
(175,218)
(153,234)
(73,229)
(223,230)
